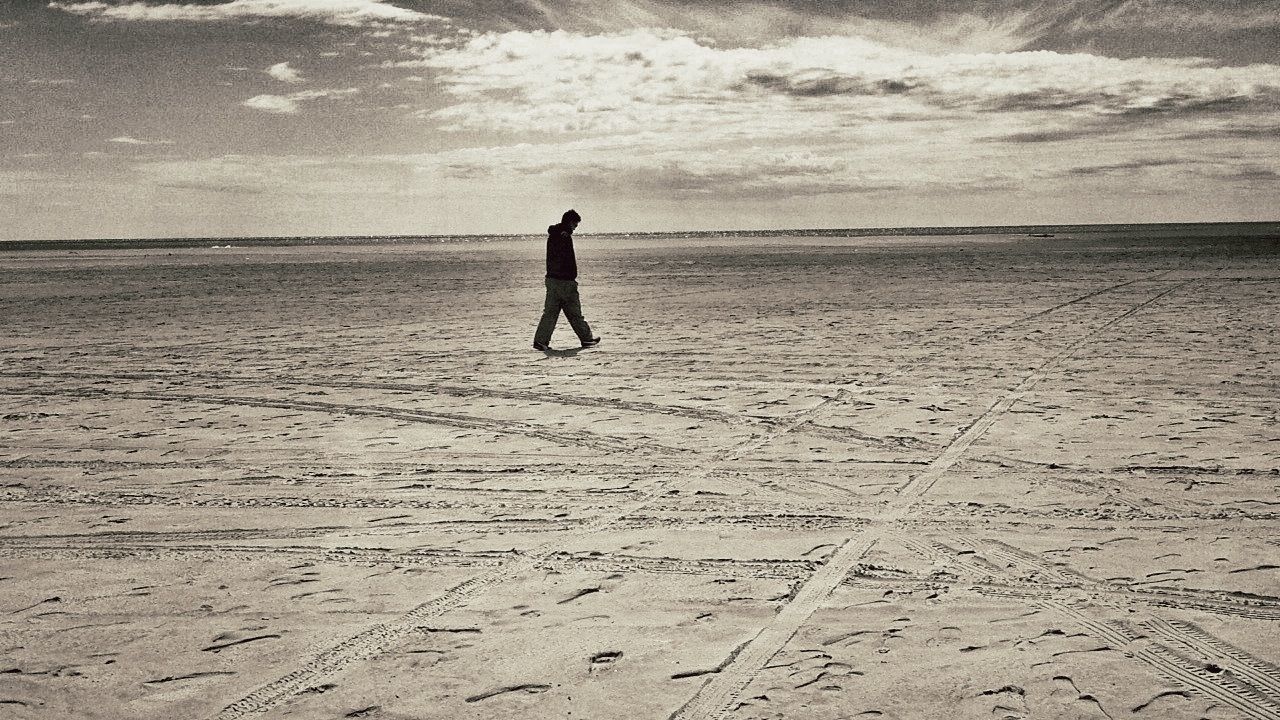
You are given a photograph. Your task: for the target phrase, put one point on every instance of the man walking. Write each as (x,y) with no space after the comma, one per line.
(562,286)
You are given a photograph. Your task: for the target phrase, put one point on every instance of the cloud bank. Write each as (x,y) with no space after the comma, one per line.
(333,12)
(645,79)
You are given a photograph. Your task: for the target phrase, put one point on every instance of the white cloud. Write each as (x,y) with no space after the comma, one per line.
(284,73)
(647,79)
(661,115)
(288,104)
(129,140)
(334,12)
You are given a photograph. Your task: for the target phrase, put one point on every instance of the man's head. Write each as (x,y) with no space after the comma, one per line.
(571,218)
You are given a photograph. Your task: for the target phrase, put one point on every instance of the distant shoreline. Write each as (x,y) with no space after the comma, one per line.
(1252,229)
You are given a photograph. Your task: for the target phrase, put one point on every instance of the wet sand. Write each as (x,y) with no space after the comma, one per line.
(978,477)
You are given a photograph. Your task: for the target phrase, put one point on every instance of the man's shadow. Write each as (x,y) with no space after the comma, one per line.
(567,352)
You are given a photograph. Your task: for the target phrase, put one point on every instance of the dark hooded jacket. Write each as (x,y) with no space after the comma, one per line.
(561,264)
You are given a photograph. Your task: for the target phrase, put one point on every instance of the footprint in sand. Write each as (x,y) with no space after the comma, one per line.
(602,661)
(237,637)
(949,635)
(1009,702)
(175,687)
(529,688)
(1068,701)
(173,681)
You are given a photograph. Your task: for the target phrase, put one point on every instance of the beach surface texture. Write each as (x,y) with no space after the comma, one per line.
(811,476)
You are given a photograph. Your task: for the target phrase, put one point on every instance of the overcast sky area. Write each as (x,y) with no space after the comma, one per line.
(367,117)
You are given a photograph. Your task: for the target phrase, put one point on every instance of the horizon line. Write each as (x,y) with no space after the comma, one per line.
(866,230)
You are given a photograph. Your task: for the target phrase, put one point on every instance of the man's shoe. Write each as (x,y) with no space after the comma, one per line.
(543,347)
(591,343)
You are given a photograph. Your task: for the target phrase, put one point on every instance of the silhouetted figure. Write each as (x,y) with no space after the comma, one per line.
(562,286)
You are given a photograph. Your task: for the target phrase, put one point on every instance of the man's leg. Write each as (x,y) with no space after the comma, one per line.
(550,313)
(573,310)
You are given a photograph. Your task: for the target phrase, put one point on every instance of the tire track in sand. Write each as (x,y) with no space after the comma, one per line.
(714,696)
(1188,669)
(1181,652)
(1075,300)
(1262,675)
(1039,313)
(1040,580)
(374,640)
(505,427)
(461,391)
(719,696)
(793,570)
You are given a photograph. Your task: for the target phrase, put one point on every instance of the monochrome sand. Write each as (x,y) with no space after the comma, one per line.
(912,477)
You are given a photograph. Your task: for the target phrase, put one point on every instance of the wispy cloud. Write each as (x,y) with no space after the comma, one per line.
(227,187)
(1128,167)
(1167,15)
(289,104)
(634,167)
(1260,131)
(334,12)
(1047,135)
(713,178)
(284,73)
(318,176)
(130,140)
(928,25)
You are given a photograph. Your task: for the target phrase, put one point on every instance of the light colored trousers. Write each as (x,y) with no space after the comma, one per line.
(562,295)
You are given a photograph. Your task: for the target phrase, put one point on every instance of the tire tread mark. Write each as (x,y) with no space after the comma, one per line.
(1075,300)
(1034,590)
(363,556)
(719,695)
(1263,676)
(373,640)
(949,555)
(439,388)
(952,452)
(1090,488)
(1222,687)
(1214,686)
(1258,607)
(367,643)
(506,499)
(1024,559)
(563,438)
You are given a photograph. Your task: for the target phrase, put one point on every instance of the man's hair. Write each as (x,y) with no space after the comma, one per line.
(571,216)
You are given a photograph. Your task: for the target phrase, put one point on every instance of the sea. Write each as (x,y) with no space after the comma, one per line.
(1140,231)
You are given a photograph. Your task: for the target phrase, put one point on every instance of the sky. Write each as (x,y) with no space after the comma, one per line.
(224,118)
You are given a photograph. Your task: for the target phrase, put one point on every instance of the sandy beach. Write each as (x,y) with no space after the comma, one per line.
(818,477)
